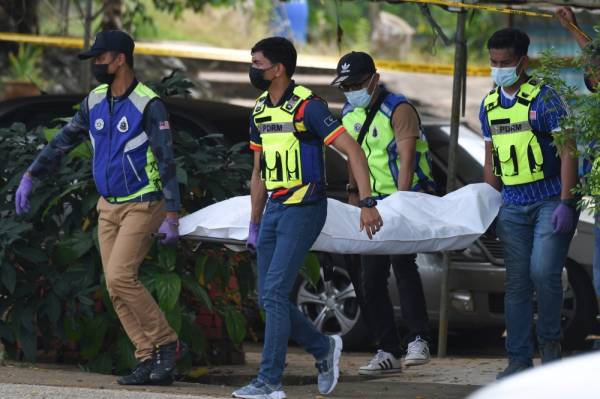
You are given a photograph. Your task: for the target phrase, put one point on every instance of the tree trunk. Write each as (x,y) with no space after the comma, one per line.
(22,15)
(113,15)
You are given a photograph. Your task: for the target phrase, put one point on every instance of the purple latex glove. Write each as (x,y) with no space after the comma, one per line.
(562,218)
(170,228)
(22,195)
(252,236)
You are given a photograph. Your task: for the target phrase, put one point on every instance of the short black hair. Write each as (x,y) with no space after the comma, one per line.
(510,38)
(128,58)
(278,50)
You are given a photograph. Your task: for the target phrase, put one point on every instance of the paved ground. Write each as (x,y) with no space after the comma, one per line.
(450,378)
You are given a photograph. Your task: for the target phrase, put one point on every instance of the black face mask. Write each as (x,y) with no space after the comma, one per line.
(101,74)
(257,78)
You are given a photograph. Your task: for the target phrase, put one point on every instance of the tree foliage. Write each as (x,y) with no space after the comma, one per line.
(582,124)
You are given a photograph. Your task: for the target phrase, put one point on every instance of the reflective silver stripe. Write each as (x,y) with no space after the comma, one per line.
(133,167)
(285,127)
(139,101)
(507,128)
(96,96)
(93,142)
(136,142)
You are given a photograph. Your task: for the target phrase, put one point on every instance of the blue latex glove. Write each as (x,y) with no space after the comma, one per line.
(252,236)
(170,228)
(22,195)
(563,219)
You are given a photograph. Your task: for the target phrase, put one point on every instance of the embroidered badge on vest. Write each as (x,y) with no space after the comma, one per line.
(123,125)
(99,124)
(357,127)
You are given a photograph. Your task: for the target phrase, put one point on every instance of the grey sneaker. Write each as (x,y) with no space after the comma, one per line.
(550,351)
(513,367)
(329,368)
(258,389)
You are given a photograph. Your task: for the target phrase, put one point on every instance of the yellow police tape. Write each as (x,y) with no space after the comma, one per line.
(234,55)
(503,10)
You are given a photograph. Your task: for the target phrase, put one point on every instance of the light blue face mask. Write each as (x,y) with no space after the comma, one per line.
(359,98)
(505,77)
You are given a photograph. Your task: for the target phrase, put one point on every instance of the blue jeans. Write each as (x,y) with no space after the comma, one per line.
(534,258)
(596,265)
(285,237)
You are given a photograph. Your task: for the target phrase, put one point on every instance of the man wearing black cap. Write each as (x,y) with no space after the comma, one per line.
(134,172)
(388,128)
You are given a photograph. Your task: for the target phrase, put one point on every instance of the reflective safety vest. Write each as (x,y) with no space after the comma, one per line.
(280,129)
(518,153)
(380,149)
(124,165)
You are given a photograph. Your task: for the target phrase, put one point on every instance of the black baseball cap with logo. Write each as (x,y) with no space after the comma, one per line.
(353,67)
(109,40)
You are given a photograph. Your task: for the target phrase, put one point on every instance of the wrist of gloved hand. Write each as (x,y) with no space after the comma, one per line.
(253,229)
(170,229)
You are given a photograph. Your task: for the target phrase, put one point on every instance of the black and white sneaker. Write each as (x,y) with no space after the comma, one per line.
(382,363)
(417,353)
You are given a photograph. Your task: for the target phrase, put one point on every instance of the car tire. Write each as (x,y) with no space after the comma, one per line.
(331,306)
(579,307)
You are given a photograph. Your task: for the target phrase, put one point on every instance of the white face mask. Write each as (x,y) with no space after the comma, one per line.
(360,98)
(505,77)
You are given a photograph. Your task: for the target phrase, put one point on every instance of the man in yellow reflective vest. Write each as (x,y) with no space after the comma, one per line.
(519,119)
(288,130)
(388,128)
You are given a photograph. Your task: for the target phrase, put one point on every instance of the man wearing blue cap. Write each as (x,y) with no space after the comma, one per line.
(134,172)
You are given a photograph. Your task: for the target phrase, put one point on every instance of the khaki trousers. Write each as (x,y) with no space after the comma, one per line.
(124,234)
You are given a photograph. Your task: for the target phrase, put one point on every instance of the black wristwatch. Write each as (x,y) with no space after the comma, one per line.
(351,189)
(368,202)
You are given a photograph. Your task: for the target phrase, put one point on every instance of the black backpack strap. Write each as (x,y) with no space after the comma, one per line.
(371,115)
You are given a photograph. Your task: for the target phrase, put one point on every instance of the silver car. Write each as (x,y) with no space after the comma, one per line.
(477,275)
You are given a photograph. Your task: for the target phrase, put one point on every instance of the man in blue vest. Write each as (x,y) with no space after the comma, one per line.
(388,128)
(519,119)
(289,128)
(134,172)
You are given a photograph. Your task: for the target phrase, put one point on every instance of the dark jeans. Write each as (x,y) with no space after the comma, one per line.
(377,307)
(534,257)
(285,237)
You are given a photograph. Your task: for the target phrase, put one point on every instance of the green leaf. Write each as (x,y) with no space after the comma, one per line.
(28,341)
(51,307)
(193,335)
(70,249)
(101,364)
(200,265)
(94,331)
(31,254)
(235,324)
(125,352)
(174,317)
(167,258)
(73,331)
(168,288)
(9,277)
(199,292)
(312,268)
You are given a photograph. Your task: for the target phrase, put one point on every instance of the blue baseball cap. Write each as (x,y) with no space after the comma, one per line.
(109,40)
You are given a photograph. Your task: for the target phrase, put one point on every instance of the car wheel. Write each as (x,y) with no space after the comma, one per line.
(579,307)
(332,306)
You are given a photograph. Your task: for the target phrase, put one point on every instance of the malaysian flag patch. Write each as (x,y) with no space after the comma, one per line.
(533,115)
(164,125)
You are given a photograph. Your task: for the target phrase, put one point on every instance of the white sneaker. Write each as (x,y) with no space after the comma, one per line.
(417,353)
(382,363)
